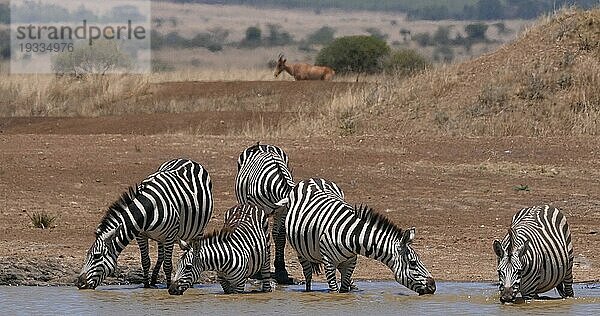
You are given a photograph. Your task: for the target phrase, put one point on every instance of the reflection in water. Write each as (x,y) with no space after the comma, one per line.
(379,298)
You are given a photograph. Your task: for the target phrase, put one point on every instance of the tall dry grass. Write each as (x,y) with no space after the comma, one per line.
(48,95)
(547,83)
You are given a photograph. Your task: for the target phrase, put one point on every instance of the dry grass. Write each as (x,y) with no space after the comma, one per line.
(546,83)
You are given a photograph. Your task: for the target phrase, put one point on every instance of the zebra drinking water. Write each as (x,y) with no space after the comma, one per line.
(263,179)
(174,203)
(536,255)
(239,250)
(324,229)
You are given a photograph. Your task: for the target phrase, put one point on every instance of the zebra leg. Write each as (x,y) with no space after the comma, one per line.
(565,289)
(168,263)
(266,270)
(278,233)
(145,257)
(227,288)
(330,274)
(159,262)
(307,270)
(346,269)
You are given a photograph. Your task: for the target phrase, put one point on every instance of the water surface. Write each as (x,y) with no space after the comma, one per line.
(375,298)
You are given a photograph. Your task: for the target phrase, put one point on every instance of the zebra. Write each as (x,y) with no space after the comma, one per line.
(174,203)
(536,255)
(240,249)
(323,229)
(264,179)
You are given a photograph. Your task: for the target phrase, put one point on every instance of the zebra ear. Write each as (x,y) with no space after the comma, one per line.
(408,236)
(498,249)
(110,236)
(183,245)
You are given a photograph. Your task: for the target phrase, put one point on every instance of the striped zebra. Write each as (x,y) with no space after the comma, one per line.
(323,229)
(264,179)
(236,252)
(174,203)
(536,255)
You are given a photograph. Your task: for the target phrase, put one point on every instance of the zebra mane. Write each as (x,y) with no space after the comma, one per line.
(254,148)
(374,218)
(511,240)
(280,163)
(118,207)
(218,234)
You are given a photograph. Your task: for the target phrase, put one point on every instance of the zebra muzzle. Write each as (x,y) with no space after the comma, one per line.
(507,295)
(177,289)
(81,282)
(429,287)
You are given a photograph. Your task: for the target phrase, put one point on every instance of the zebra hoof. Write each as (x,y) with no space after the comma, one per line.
(286,281)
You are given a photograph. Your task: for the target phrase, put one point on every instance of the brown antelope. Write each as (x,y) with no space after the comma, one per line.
(304,71)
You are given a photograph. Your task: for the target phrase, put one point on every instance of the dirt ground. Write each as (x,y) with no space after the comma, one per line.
(460,193)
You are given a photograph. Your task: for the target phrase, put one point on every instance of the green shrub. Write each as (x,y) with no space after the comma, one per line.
(405,62)
(253,37)
(277,36)
(423,39)
(322,36)
(4,44)
(476,32)
(354,54)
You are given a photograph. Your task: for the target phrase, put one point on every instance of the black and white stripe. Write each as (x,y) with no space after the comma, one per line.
(239,250)
(174,203)
(536,255)
(264,179)
(324,229)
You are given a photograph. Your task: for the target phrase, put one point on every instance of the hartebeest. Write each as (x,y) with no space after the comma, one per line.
(304,71)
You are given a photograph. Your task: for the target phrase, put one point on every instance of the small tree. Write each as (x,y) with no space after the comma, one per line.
(322,36)
(278,37)
(476,32)
(253,36)
(405,62)
(104,56)
(354,54)
(4,44)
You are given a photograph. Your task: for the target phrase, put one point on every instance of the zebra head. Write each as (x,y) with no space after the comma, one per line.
(188,270)
(510,266)
(100,261)
(408,268)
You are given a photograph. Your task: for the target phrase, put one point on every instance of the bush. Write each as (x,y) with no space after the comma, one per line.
(354,54)
(4,44)
(253,37)
(405,62)
(322,36)
(103,57)
(278,37)
(41,220)
(4,13)
(423,39)
(476,32)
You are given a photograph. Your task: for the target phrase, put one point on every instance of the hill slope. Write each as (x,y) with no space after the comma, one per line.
(545,83)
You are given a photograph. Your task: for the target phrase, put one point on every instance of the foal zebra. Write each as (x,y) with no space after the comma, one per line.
(239,250)
(174,203)
(536,255)
(264,179)
(322,228)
